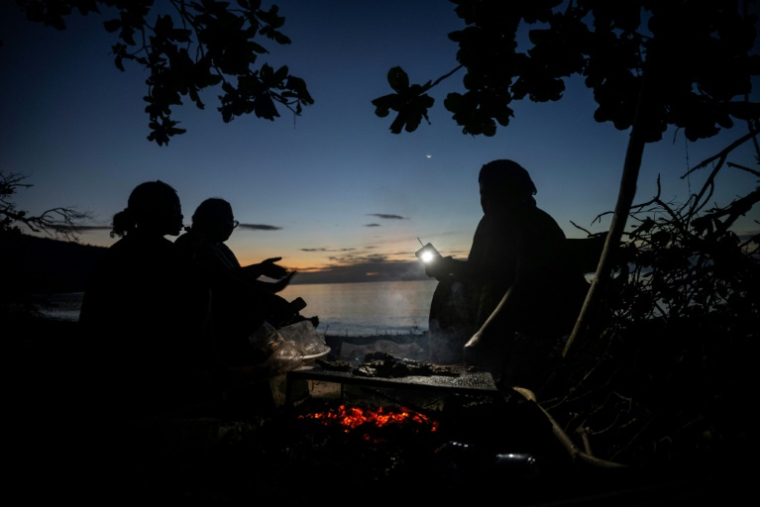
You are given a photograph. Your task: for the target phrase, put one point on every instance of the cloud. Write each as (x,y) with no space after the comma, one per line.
(386,216)
(352,258)
(85,228)
(372,225)
(259,227)
(327,249)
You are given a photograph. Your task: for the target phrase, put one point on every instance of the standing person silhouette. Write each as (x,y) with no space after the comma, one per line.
(508,306)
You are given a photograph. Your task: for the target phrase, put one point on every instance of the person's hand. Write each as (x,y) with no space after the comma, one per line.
(475,350)
(488,348)
(272,270)
(283,282)
(485,347)
(439,268)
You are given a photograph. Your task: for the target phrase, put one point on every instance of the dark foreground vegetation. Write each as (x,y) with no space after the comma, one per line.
(666,372)
(649,416)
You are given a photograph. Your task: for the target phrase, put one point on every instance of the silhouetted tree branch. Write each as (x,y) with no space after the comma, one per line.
(59,221)
(193,46)
(700,56)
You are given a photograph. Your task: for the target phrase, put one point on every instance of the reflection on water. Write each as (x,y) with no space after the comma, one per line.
(364,309)
(63,306)
(353,309)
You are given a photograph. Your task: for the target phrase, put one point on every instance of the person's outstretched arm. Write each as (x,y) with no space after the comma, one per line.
(268,268)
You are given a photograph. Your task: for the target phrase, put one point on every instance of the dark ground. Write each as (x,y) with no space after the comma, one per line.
(62,450)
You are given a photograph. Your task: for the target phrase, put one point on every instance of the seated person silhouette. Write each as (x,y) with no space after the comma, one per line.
(212,225)
(508,306)
(145,314)
(242,305)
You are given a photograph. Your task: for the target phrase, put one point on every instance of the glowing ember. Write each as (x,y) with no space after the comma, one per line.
(353,417)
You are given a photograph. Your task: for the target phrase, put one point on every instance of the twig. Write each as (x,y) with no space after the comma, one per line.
(739,166)
(575,453)
(722,154)
(581,228)
(445,76)
(633,439)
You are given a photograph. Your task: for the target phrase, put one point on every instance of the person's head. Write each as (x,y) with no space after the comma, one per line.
(153,207)
(213,219)
(504,185)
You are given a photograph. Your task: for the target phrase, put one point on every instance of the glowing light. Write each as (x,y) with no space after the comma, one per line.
(427,256)
(353,417)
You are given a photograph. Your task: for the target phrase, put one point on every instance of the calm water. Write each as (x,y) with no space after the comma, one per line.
(354,309)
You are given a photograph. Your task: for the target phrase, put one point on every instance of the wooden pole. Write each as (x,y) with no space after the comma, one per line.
(626,194)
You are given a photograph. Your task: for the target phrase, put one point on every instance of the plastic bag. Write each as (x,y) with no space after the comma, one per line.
(275,354)
(305,336)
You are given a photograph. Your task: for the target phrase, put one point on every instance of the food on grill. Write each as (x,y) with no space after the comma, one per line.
(336,365)
(380,364)
(384,365)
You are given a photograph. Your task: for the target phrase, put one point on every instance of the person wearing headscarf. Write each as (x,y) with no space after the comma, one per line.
(508,306)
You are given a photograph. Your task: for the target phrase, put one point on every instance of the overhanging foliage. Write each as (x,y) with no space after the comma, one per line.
(189,47)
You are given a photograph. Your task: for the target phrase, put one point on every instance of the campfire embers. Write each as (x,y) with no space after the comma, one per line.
(367,419)
(366,443)
(374,445)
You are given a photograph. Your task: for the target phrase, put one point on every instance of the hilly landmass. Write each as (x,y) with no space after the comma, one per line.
(34,265)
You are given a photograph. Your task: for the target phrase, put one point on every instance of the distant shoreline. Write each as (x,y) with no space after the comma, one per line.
(46,328)
(383,309)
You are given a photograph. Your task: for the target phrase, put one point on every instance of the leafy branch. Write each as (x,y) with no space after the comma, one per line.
(678,338)
(226,53)
(698,57)
(682,261)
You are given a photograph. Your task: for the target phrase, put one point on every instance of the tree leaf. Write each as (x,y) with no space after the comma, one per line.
(112,25)
(398,79)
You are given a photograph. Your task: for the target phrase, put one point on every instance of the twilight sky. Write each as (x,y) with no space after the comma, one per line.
(339,196)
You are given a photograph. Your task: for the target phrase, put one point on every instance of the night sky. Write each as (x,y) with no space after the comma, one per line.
(333,188)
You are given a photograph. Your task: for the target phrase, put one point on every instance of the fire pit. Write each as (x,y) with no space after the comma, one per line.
(382,437)
(361,445)
(356,418)
(355,448)
(371,446)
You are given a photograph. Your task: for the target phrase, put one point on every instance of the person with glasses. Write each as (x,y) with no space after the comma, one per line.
(204,240)
(238,309)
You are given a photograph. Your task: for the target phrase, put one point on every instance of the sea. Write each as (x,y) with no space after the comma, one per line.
(343,309)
